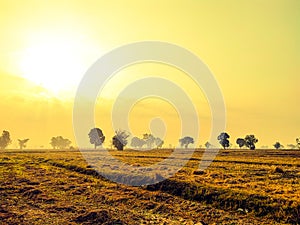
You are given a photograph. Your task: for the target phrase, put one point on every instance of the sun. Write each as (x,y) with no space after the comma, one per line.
(55,63)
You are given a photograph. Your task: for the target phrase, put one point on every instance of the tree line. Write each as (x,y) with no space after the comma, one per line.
(120,140)
(56,142)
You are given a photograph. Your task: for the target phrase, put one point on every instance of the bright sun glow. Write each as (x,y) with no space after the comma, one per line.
(57,64)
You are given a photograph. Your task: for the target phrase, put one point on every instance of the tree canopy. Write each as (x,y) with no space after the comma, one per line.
(120,139)
(22,143)
(137,142)
(149,139)
(241,142)
(223,139)
(5,139)
(59,142)
(277,145)
(185,141)
(158,142)
(250,141)
(96,137)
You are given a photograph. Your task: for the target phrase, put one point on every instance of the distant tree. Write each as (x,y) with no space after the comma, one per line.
(241,142)
(59,142)
(137,142)
(64,143)
(223,139)
(298,142)
(277,145)
(149,139)
(208,145)
(250,141)
(54,143)
(291,146)
(186,141)
(96,137)
(120,139)
(22,143)
(158,142)
(5,139)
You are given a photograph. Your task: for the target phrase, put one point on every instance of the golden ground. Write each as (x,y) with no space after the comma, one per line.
(240,187)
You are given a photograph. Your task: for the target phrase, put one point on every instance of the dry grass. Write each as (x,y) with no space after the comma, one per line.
(240,187)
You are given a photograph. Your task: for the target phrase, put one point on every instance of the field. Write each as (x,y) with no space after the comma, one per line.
(240,187)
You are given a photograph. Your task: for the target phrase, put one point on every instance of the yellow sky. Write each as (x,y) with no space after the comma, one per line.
(252,48)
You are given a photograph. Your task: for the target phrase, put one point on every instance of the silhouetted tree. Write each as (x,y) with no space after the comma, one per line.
(64,142)
(137,142)
(250,141)
(298,142)
(208,145)
(54,143)
(186,141)
(59,142)
(5,139)
(223,140)
(149,139)
(158,142)
(120,139)
(22,143)
(277,145)
(96,137)
(240,142)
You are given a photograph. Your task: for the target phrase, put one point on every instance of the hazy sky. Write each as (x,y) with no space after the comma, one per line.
(251,47)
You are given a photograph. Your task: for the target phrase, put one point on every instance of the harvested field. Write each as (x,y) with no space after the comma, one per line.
(240,187)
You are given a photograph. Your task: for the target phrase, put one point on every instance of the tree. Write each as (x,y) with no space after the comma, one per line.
(158,142)
(120,139)
(277,145)
(223,140)
(137,142)
(186,141)
(250,141)
(208,145)
(5,139)
(59,142)
(96,137)
(149,139)
(22,143)
(298,142)
(54,142)
(241,142)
